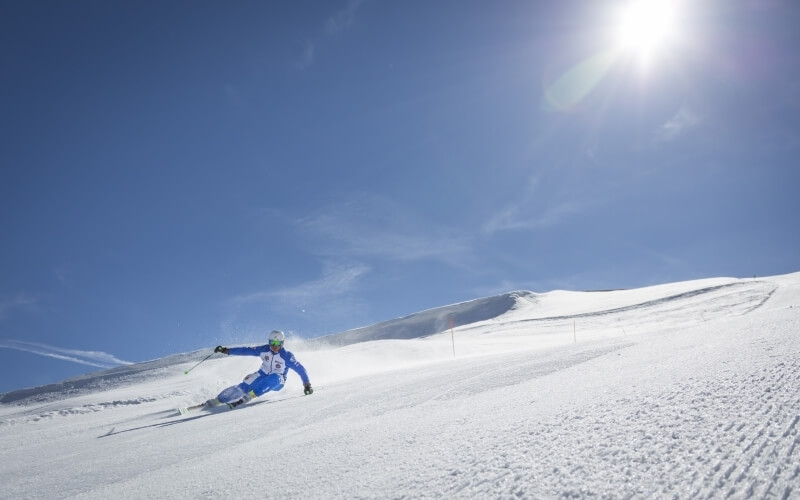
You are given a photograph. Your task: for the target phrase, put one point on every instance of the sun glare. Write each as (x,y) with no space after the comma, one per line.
(647,26)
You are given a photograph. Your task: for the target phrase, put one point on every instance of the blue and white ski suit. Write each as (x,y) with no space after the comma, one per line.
(270,377)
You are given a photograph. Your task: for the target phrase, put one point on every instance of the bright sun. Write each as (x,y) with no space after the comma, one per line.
(647,26)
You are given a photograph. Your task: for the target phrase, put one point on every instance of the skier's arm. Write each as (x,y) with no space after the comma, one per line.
(246,351)
(295,365)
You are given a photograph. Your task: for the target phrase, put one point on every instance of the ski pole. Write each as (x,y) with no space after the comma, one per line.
(198,364)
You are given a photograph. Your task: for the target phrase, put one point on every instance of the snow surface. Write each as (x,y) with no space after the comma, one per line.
(682,390)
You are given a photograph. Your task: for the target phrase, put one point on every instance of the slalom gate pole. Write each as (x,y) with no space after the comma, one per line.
(198,364)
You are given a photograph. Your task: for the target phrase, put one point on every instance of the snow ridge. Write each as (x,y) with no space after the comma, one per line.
(432,321)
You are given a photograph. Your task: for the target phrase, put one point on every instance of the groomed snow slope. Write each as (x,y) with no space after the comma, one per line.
(682,390)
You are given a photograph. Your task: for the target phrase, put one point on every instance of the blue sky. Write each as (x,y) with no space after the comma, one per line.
(177,175)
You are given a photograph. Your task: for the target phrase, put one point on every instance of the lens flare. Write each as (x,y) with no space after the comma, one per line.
(574,85)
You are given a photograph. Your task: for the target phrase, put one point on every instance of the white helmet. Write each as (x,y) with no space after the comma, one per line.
(276,338)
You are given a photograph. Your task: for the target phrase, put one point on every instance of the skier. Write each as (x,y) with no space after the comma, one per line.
(275,364)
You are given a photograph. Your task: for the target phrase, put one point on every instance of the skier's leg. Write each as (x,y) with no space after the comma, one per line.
(236,392)
(266,383)
(231,394)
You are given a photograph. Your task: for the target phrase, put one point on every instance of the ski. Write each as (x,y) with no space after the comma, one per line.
(214,405)
(183,410)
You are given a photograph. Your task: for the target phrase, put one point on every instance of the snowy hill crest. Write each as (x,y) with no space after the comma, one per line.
(432,321)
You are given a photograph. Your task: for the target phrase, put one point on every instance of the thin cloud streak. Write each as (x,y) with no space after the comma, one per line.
(97,359)
(526,214)
(685,119)
(379,228)
(344,19)
(306,60)
(336,280)
(519,218)
(19,301)
(338,23)
(332,299)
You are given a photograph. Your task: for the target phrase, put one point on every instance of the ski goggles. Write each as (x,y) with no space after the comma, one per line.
(276,343)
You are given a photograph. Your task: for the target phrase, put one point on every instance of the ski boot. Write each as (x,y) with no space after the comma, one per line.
(244,399)
(211,403)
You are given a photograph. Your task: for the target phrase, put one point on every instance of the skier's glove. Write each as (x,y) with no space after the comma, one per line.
(223,350)
(307,389)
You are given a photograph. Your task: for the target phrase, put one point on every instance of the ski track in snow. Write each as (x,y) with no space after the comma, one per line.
(704,404)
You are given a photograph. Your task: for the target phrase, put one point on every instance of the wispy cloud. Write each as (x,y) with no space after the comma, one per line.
(337,279)
(332,299)
(374,227)
(351,239)
(344,19)
(64,276)
(307,57)
(90,358)
(20,301)
(685,119)
(338,23)
(532,212)
(520,217)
